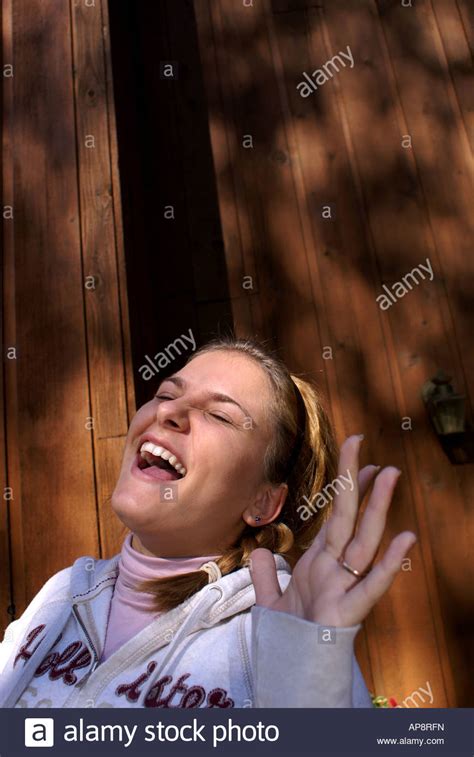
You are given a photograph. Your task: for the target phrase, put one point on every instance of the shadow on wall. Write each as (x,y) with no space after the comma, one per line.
(177,268)
(177,279)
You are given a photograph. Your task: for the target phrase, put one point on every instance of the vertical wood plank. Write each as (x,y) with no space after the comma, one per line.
(103,323)
(108,340)
(194,158)
(118,220)
(108,462)
(10,542)
(54,457)
(235,228)
(466,11)
(457,58)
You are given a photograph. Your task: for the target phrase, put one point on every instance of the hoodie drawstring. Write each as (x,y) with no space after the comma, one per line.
(200,608)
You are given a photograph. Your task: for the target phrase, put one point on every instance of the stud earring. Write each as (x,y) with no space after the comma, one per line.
(257,518)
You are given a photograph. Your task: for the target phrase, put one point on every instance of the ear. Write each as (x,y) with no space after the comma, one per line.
(268,504)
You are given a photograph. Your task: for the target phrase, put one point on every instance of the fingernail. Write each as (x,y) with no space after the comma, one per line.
(377,467)
(361,436)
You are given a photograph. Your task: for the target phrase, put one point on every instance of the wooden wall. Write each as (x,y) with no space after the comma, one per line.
(67,390)
(315,280)
(176,265)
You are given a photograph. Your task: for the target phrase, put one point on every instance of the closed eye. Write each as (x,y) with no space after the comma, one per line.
(220,417)
(214,415)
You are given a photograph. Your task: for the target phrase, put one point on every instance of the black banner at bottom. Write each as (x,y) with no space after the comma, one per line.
(220,732)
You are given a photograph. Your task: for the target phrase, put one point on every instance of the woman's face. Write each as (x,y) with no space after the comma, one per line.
(212,416)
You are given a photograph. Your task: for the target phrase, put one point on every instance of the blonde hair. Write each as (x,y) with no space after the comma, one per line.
(302,452)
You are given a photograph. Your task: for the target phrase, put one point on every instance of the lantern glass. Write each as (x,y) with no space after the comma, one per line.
(448,414)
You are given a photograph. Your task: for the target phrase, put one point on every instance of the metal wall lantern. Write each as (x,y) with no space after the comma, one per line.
(447,411)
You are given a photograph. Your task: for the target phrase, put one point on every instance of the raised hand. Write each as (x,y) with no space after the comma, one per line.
(328,584)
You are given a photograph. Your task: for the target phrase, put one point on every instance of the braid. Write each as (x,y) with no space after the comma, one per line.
(172,590)
(276,537)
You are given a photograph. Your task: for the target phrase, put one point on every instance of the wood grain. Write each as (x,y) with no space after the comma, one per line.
(48,402)
(69,395)
(318,280)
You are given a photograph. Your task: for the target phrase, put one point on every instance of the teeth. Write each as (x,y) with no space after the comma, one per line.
(156,451)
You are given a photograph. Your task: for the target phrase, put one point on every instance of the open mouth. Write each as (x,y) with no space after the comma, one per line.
(159,463)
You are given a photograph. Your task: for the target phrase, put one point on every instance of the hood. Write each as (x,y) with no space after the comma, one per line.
(85,591)
(215,602)
(90,577)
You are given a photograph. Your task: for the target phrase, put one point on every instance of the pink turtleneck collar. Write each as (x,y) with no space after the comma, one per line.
(131,610)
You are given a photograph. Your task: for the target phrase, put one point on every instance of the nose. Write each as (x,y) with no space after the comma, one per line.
(173,414)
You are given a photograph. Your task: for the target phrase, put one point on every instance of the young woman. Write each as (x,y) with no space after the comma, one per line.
(243,581)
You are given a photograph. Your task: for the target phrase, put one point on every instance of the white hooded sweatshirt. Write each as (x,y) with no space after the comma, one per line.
(216,649)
